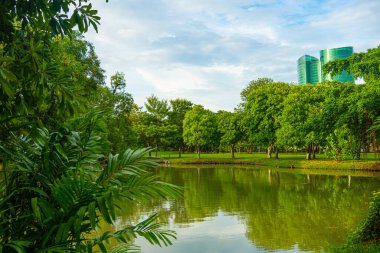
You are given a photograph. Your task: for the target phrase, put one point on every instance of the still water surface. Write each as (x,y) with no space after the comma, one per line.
(236,209)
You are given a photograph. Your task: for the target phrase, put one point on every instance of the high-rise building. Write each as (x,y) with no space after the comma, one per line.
(332,55)
(308,70)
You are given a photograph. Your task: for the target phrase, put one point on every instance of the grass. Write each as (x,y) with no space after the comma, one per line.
(286,160)
(356,248)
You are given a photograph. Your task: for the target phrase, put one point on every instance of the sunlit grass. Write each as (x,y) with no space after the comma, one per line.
(286,160)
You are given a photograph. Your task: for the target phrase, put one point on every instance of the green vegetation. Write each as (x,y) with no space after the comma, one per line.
(334,120)
(62,128)
(366,237)
(287,160)
(265,201)
(60,175)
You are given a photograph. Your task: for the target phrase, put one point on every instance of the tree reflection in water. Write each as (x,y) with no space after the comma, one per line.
(279,209)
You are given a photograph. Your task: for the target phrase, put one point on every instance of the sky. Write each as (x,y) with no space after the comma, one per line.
(207,51)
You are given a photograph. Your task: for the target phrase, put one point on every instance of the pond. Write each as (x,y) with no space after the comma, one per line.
(238,209)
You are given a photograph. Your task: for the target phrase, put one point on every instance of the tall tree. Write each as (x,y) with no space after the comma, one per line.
(264,104)
(57,183)
(179,107)
(300,120)
(199,128)
(229,125)
(158,127)
(118,82)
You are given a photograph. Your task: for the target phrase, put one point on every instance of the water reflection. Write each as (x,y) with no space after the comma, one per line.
(275,210)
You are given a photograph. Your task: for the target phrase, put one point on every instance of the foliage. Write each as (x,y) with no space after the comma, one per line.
(356,248)
(360,65)
(254,84)
(264,105)
(179,107)
(118,82)
(300,119)
(155,127)
(199,128)
(229,125)
(120,105)
(369,229)
(46,16)
(56,191)
(342,144)
(59,177)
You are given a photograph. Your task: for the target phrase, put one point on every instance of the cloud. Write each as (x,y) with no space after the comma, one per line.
(208,51)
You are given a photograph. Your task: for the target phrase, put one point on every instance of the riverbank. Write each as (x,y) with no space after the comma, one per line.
(289,160)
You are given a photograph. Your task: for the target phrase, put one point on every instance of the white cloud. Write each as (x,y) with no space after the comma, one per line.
(207,51)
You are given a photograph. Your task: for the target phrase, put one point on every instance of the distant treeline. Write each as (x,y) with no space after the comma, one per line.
(339,119)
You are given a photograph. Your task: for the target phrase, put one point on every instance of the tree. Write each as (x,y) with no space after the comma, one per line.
(45,16)
(360,65)
(118,82)
(57,182)
(179,107)
(56,191)
(158,109)
(263,106)
(157,127)
(252,86)
(199,128)
(301,119)
(119,106)
(229,125)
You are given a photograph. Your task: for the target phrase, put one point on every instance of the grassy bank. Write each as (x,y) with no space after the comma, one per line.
(286,160)
(356,248)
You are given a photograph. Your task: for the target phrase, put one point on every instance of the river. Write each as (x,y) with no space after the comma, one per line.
(240,209)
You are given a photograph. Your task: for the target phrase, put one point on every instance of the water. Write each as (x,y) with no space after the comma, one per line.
(236,209)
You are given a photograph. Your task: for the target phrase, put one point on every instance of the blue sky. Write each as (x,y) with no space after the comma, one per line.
(207,51)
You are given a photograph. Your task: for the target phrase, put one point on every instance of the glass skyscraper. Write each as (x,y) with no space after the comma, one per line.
(308,70)
(332,55)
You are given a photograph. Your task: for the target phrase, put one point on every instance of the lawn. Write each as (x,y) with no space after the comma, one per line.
(368,161)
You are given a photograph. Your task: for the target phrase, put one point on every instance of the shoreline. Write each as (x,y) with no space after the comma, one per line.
(320,164)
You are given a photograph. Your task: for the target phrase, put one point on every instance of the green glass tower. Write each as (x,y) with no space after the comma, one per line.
(308,70)
(332,55)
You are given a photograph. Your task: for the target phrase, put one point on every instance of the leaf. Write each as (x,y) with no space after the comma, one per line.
(92,214)
(36,209)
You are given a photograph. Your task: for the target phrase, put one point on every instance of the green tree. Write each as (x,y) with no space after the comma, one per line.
(264,104)
(229,125)
(120,105)
(118,82)
(360,65)
(56,181)
(199,128)
(56,191)
(156,125)
(179,107)
(252,86)
(301,119)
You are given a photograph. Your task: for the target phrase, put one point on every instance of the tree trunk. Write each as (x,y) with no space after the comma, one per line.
(198,151)
(150,151)
(156,150)
(269,151)
(308,153)
(276,152)
(358,153)
(314,147)
(233,151)
(180,151)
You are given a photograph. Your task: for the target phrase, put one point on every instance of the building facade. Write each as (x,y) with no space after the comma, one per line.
(332,55)
(308,70)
